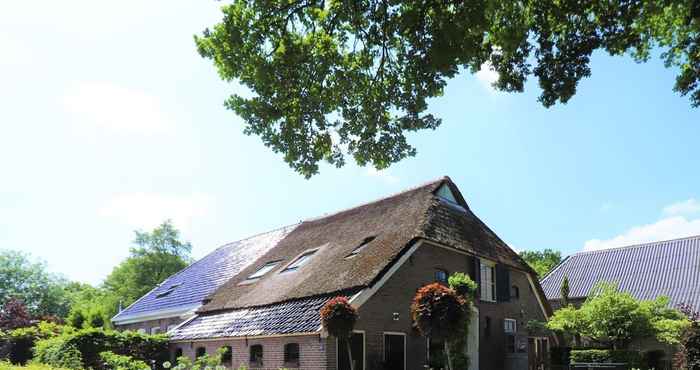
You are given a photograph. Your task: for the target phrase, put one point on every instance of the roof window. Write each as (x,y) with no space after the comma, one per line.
(263,270)
(360,247)
(168,291)
(446,193)
(300,261)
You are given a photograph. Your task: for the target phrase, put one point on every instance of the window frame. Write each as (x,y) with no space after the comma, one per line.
(441,270)
(505,326)
(361,247)
(301,260)
(227,357)
(262,355)
(156,330)
(295,363)
(486,286)
(405,344)
(364,349)
(269,265)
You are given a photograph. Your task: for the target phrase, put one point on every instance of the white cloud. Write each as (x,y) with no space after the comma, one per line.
(114,108)
(664,229)
(147,210)
(684,208)
(383,175)
(487,76)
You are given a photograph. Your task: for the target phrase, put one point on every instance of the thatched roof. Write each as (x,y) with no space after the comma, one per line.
(394,222)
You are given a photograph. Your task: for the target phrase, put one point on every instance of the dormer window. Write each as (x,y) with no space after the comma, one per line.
(168,291)
(360,247)
(300,261)
(263,270)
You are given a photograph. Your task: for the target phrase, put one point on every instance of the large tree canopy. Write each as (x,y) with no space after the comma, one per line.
(542,261)
(30,282)
(155,256)
(331,78)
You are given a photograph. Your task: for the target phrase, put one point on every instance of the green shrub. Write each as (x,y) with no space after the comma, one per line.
(28,366)
(17,345)
(462,284)
(89,343)
(56,353)
(122,362)
(631,358)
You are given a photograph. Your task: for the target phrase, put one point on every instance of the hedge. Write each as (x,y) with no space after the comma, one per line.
(85,346)
(631,358)
(16,346)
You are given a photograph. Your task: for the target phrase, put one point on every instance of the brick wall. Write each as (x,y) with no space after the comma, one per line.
(312,355)
(377,314)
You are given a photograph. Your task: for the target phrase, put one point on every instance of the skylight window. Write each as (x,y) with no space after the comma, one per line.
(168,291)
(360,247)
(300,261)
(263,270)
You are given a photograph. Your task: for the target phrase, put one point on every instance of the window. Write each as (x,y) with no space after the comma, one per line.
(263,270)
(141,331)
(256,355)
(178,353)
(291,355)
(445,193)
(441,276)
(227,355)
(357,345)
(201,351)
(168,291)
(155,330)
(300,261)
(488,281)
(510,326)
(515,292)
(360,247)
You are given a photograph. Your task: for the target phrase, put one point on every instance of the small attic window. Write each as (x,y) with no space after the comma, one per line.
(300,261)
(168,291)
(263,270)
(360,247)
(445,193)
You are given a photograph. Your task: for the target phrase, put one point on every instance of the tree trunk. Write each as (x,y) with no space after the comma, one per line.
(349,347)
(447,354)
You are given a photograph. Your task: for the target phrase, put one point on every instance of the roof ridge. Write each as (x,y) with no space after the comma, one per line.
(255,235)
(638,245)
(413,188)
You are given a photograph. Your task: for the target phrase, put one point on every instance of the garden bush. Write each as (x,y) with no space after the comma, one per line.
(89,343)
(633,359)
(121,362)
(16,346)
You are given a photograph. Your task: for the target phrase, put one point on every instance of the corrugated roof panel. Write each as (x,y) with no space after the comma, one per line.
(670,268)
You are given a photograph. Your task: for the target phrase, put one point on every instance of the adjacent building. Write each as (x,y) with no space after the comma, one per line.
(260,297)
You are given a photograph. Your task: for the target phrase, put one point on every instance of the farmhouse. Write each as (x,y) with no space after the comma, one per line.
(260,297)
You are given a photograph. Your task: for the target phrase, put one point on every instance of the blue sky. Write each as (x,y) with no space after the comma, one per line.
(110,122)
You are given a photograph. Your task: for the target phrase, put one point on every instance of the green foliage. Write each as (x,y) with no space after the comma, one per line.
(30,366)
(91,342)
(463,285)
(542,261)
(203,362)
(42,292)
(17,345)
(633,359)
(122,362)
(613,318)
(564,291)
(330,79)
(156,255)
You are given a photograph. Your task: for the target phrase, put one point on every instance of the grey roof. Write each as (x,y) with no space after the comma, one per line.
(197,281)
(292,317)
(670,268)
